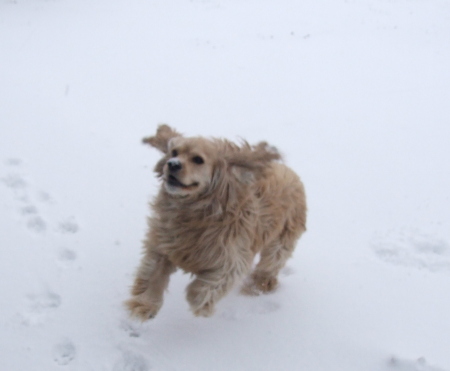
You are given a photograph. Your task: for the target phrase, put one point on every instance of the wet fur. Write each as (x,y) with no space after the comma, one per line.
(246,202)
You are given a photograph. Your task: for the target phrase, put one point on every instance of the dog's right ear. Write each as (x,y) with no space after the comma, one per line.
(161,140)
(248,160)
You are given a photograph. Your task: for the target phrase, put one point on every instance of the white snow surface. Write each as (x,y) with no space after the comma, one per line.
(355,93)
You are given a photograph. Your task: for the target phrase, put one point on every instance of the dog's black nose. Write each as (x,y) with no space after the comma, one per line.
(174,166)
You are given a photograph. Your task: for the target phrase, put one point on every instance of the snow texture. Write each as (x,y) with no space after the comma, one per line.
(354,93)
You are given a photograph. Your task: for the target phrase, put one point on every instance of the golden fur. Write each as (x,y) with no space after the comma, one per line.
(219,205)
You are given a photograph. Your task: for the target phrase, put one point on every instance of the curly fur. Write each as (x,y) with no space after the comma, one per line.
(239,201)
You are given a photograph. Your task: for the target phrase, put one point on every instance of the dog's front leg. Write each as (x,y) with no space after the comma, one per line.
(148,289)
(209,287)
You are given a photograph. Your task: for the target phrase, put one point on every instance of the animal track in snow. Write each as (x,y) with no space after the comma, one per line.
(28,196)
(36,224)
(44,197)
(131,362)
(68,226)
(64,352)
(412,248)
(40,306)
(14,181)
(130,328)
(420,364)
(67,255)
(13,162)
(29,210)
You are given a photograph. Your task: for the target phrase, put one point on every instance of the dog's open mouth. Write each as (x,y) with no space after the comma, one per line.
(174,182)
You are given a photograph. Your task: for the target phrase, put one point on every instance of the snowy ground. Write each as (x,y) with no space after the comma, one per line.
(356,93)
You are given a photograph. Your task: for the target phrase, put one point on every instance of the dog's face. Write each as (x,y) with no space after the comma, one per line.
(189,166)
(194,165)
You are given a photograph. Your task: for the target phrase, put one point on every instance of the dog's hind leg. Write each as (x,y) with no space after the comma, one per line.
(148,290)
(273,258)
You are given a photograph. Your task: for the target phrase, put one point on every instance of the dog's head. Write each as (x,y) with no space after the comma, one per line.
(195,165)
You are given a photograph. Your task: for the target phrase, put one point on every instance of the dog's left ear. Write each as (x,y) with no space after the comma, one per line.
(251,160)
(161,140)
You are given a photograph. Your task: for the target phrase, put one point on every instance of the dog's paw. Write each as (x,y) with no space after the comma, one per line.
(200,298)
(267,284)
(206,310)
(257,285)
(142,310)
(249,289)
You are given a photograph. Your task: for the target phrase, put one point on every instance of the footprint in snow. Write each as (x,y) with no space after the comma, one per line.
(421,364)
(14,182)
(64,352)
(68,226)
(130,328)
(13,162)
(44,197)
(36,224)
(27,210)
(412,248)
(131,362)
(66,257)
(28,196)
(40,307)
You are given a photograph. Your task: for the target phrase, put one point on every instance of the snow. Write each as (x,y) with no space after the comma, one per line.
(355,94)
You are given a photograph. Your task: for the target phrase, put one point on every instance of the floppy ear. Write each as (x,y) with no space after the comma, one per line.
(238,167)
(249,161)
(159,167)
(161,139)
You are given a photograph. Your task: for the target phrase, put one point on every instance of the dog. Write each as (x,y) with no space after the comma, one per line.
(219,205)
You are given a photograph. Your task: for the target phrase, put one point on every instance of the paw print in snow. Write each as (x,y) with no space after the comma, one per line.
(40,306)
(131,362)
(411,248)
(13,162)
(131,328)
(421,364)
(14,182)
(68,226)
(36,224)
(64,352)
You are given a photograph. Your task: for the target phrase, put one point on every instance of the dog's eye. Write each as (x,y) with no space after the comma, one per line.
(174,153)
(197,160)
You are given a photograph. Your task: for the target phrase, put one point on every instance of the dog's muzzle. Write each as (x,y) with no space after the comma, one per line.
(174,165)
